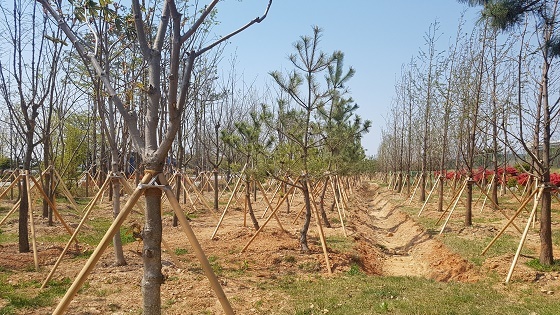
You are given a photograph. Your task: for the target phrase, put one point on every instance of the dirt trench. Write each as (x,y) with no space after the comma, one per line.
(405,248)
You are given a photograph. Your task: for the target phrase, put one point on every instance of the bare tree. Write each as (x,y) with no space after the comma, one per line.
(153,152)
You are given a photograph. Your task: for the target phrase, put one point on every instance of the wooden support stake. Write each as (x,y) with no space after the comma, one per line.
(273,195)
(14,182)
(415,188)
(87,209)
(454,205)
(524,236)
(487,192)
(429,195)
(31,221)
(65,191)
(96,255)
(215,284)
(320,228)
(339,212)
(269,205)
(510,221)
(227,205)
(498,207)
(53,207)
(455,196)
(14,208)
(268,219)
(172,254)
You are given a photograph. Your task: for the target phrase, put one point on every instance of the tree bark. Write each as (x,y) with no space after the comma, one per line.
(151,253)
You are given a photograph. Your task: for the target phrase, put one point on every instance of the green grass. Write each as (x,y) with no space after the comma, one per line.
(471,249)
(340,243)
(181,251)
(216,266)
(26,296)
(535,264)
(361,294)
(8,237)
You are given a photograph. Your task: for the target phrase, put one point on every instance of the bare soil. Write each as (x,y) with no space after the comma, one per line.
(384,242)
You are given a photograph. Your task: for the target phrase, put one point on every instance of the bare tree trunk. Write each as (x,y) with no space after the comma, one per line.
(248,189)
(322,203)
(151,253)
(305,227)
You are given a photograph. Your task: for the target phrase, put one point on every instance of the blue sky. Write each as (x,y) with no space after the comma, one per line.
(377,38)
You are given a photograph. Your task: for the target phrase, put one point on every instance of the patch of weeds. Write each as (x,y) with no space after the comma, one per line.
(355,270)
(8,237)
(536,264)
(339,243)
(310,266)
(289,259)
(180,251)
(24,296)
(98,228)
(244,267)
(555,237)
(216,266)
(84,255)
(126,236)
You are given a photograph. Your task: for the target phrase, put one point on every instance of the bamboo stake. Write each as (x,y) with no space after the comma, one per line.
(215,284)
(320,228)
(344,196)
(227,205)
(273,195)
(31,221)
(510,221)
(487,192)
(53,207)
(455,196)
(14,182)
(65,190)
(415,188)
(198,193)
(498,208)
(96,255)
(298,214)
(245,211)
(171,254)
(453,209)
(429,195)
(88,209)
(268,219)
(269,205)
(339,212)
(524,236)
(14,208)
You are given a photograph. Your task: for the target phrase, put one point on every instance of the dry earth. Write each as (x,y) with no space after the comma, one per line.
(385,241)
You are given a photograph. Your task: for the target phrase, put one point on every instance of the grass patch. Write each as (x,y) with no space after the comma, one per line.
(180,251)
(402,295)
(536,264)
(8,237)
(340,243)
(216,266)
(471,249)
(26,296)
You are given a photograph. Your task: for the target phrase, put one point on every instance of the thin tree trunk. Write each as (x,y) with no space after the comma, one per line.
(151,253)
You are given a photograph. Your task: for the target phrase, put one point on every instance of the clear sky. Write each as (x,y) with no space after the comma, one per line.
(376,36)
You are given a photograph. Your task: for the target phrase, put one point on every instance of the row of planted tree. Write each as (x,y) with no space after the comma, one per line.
(487,101)
(100,89)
